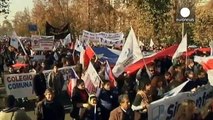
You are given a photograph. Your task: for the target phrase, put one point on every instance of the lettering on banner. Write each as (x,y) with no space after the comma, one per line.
(20,85)
(165,111)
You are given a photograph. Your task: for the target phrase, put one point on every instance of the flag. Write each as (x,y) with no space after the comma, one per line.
(59,33)
(181,48)
(130,54)
(131,69)
(176,90)
(109,75)
(91,79)
(67,40)
(72,82)
(14,42)
(79,46)
(151,44)
(87,56)
(207,64)
(15,37)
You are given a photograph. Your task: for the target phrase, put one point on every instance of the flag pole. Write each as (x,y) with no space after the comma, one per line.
(147,71)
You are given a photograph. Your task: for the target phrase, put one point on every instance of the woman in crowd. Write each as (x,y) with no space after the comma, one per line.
(142,100)
(187,111)
(79,100)
(11,112)
(49,108)
(207,110)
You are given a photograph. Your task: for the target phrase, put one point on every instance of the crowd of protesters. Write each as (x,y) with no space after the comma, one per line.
(129,99)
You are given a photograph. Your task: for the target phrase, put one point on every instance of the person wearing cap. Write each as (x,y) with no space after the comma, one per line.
(49,108)
(11,112)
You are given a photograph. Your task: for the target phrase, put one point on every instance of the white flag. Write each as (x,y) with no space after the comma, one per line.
(181,48)
(130,54)
(14,36)
(151,44)
(91,76)
(67,40)
(14,42)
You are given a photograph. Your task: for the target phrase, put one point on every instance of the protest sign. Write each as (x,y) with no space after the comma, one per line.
(19,85)
(42,42)
(65,71)
(165,108)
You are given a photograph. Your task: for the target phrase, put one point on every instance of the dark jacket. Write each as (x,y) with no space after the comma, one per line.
(46,110)
(106,103)
(78,98)
(56,82)
(39,84)
(91,114)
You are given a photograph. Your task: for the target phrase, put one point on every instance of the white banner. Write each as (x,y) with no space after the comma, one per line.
(91,78)
(66,72)
(19,85)
(42,42)
(165,108)
(109,42)
(38,58)
(103,38)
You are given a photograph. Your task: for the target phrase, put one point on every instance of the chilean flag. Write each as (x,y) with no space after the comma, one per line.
(86,56)
(207,63)
(109,75)
(72,82)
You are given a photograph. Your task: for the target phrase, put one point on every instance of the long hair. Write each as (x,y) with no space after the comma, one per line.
(185,110)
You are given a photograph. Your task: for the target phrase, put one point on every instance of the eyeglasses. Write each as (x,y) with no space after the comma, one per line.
(151,70)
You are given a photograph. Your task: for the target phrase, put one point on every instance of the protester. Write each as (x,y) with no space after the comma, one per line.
(93,111)
(79,100)
(106,100)
(39,83)
(123,112)
(56,81)
(142,101)
(11,112)
(49,108)
(207,110)
(187,111)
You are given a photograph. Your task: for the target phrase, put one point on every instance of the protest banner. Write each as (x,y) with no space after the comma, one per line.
(165,108)
(19,85)
(103,38)
(38,58)
(67,73)
(42,42)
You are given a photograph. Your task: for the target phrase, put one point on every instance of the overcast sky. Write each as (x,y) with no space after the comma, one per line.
(15,6)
